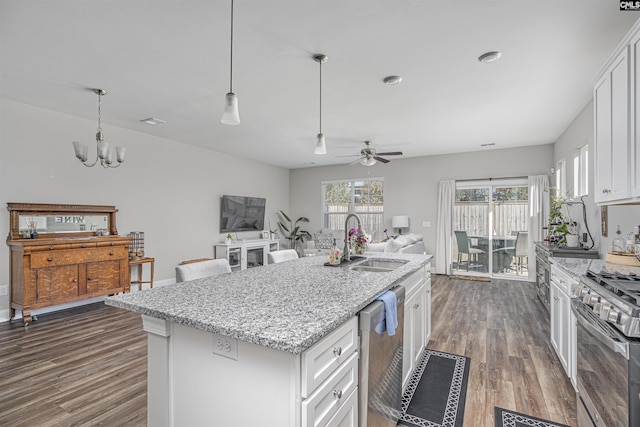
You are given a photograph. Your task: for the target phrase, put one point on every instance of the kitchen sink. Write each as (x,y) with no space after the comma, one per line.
(379,265)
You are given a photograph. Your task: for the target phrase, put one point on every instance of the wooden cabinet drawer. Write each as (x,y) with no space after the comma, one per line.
(325,402)
(77,256)
(322,359)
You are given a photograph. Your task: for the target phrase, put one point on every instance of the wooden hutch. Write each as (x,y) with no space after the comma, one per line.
(76,254)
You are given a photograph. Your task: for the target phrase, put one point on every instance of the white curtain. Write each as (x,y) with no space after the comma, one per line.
(538,216)
(446,198)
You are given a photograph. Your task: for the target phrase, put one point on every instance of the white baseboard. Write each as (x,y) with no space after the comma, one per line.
(4,315)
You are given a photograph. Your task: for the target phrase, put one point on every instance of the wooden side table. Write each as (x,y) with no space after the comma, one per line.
(140,262)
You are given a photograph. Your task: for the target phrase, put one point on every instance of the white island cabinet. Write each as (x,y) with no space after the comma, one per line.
(276,345)
(190,384)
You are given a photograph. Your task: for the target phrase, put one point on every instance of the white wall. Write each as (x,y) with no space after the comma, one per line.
(169,190)
(410,185)
(627,217)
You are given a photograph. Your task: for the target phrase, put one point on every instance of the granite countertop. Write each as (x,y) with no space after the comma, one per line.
(579,266)
(555,250)
(287,306)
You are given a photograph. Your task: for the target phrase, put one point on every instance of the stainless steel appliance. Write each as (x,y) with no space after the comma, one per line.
(607,310)
(544,250)
(380,385)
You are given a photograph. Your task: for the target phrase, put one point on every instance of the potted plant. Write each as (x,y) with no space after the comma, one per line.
(291,230)
(559,226)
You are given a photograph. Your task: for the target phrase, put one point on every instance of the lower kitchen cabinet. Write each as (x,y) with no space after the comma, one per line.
(563,323)
(417,321)
(190,383)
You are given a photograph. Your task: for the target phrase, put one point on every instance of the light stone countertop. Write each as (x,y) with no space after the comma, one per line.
(287,306)
(577,266)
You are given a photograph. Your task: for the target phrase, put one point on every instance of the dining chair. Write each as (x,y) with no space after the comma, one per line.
(465,248)
(520,250)
(200,269)
(275,257)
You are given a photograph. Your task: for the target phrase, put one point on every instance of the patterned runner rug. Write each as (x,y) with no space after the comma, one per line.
(437,391)
(506,418)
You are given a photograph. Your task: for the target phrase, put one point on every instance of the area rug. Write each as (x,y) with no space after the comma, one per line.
(476,278)
(437,391)
(506,418)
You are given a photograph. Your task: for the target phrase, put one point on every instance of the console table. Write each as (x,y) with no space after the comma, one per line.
(246,254)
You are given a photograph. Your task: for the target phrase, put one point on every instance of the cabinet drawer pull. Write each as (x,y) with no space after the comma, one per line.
(337,351)
(88,278)
(49,259)
(337,393)
(416,306)
(111,253)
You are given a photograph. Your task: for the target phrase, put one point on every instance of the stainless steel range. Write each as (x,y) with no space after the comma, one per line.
(607,310)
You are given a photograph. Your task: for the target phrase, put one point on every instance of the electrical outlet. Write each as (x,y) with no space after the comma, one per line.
(4,289)
(225,346)
(426,224)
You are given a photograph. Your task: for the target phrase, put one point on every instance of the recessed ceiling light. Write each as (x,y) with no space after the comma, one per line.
(392,80)
(489,57)
(488,144)
(152,121)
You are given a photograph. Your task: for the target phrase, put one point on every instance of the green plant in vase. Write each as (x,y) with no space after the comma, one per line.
(291,230)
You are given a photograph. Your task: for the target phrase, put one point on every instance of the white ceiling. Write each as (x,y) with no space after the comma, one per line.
(170,59)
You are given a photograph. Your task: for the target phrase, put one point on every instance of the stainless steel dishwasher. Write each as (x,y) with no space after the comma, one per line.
(380,385)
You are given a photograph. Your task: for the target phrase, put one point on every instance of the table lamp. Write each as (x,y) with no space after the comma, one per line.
(400,222)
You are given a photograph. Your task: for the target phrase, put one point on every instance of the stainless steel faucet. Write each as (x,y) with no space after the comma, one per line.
(346,254)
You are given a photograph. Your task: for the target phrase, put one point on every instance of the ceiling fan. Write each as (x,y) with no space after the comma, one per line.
(369,156)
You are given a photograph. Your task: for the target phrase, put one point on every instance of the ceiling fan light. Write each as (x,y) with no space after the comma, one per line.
(367,161)
(321,145)
(230,116)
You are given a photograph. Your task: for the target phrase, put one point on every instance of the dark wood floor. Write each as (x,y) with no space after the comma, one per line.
(87,366)
(82,367)
(504,329)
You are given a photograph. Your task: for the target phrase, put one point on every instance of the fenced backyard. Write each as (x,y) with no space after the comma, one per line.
(508,218)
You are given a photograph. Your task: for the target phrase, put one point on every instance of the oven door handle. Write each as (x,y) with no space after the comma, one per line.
(613,345)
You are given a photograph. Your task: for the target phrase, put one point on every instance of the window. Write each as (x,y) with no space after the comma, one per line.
(561,177)
(581,172)
(363,197)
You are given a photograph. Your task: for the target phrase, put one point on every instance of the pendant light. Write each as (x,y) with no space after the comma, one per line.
(104,153)
(231,116)
(321,144)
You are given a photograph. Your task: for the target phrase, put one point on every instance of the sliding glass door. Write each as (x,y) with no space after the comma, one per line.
(490,228)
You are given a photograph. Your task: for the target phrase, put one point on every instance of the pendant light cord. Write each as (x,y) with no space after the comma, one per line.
(320,96)
(231,53)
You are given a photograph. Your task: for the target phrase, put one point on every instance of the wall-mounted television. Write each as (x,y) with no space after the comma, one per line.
(240,213)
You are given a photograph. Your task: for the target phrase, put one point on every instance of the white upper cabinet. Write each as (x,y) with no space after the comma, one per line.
(612,142)
(616,142)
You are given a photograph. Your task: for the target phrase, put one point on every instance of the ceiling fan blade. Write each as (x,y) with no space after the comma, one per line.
(349,155)
(391,153)
(356,162)
(380,159)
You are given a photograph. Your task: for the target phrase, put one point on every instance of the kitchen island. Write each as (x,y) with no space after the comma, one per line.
(274,345)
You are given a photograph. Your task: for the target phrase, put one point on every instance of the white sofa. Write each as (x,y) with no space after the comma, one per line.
(405,243)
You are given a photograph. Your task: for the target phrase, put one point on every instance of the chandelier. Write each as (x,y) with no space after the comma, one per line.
(104,153)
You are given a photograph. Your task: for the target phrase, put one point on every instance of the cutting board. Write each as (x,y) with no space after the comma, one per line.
(622,258)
